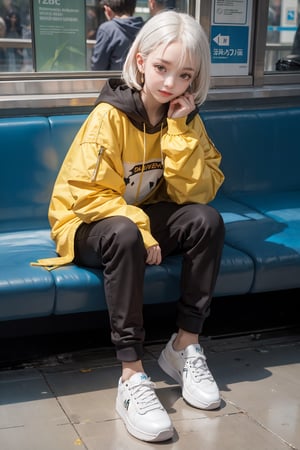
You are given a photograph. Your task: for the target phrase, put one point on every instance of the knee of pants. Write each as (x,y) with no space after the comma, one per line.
(215,222)
(125,234)
(107,239)
(205,217)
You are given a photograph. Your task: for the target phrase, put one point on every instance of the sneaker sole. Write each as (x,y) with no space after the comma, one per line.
(163,435)
(169,370)
(205,406)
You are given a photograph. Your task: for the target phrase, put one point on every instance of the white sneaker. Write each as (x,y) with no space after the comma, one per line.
(188,367)
(143,414)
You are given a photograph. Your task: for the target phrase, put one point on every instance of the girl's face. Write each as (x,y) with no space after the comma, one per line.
(164,79)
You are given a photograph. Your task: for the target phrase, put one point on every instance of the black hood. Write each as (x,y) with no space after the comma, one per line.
(116,93)
(129,26)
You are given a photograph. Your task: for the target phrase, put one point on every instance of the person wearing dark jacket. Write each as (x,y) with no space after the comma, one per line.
(115,36)
(157,6)
(296,43)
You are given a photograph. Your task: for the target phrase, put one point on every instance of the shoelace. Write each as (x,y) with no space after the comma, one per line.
(144,396)
(199,368)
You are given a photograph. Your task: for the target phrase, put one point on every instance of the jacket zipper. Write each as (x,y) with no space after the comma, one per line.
(99,157)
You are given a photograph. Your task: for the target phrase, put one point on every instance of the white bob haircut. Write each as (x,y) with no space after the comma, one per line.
(163,29)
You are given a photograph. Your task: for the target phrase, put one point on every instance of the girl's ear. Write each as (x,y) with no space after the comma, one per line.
(140,62)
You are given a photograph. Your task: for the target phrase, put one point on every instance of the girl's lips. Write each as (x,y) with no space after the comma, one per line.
(165,93)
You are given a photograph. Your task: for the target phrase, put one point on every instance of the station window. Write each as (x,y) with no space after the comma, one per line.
(52,35)
(36,35)
(283,36)
(15,36)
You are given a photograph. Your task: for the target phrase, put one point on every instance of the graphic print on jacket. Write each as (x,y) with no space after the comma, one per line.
(140,179)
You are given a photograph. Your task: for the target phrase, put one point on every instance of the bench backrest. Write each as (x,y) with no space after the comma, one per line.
(260,148)
(260,152)
(32,150)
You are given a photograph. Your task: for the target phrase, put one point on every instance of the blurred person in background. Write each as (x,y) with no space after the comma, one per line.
(3,63)
(114,37)
(91,23)
(156,6)
(14,31)
(6,6)
(296,43)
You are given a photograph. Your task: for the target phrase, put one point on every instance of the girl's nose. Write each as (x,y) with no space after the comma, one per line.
(169,81)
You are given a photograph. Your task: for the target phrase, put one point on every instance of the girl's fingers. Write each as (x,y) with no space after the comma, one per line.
(154,255)
(181,106)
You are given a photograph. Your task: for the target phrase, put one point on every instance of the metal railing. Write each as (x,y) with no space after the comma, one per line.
(27,43)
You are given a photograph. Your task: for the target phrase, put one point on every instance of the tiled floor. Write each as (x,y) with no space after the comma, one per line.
(67,401)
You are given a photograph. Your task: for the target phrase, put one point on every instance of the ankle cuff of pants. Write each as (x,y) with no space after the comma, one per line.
(130,354)
(191,324)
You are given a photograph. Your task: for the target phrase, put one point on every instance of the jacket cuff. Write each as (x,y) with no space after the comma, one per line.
(148,239)
(177,126)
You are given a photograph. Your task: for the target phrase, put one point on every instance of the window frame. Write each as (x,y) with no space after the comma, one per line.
(80,89)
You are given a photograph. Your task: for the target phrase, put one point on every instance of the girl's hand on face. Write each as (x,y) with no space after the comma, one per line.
(154,255)
(181,106)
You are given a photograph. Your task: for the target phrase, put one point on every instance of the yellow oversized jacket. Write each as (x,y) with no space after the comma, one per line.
(114,166)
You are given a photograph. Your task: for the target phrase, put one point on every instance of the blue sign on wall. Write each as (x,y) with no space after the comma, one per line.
(291,15)
(229,44)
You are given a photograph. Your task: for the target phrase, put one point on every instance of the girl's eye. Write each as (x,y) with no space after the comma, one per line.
(186,76)
(159,67)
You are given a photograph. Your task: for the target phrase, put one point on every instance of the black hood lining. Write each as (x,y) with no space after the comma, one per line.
(116,93)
